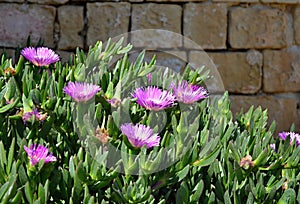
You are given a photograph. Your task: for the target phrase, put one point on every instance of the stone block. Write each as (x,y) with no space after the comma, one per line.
(94,0)
(54,2)
(296,16)
(71,22)
(18,21)
(281,1)
(11,1)
(237,1)
(156,16)
(106,20)
(281,70)
(258,27)
(175,0)
(206,24)
(240,72)
(159,18)
(64,55)
(156,39)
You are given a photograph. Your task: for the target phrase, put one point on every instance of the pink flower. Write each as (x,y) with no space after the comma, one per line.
(81,91)
(140,135)
(41,56)
(153,98)
(26,116)
(293,136)
(38,153)
(188,93)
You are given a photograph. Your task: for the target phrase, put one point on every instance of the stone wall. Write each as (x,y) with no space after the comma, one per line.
(255,44)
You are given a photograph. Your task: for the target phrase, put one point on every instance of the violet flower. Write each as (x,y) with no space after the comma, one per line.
(293,136)
(149,76)
(38,153)
(41,117)
(273,147)
(153,98)
(81,91)
(139,135)
(41,56)
(188,93)
(26,116)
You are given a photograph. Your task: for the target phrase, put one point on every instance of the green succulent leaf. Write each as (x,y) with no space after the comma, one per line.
(289,196)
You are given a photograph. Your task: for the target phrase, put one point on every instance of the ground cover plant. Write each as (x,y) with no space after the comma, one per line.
(95,130)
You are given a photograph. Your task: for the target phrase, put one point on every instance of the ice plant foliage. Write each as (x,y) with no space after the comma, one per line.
(139,135)
(81,91)
(153,98)
(293,136)
(188,93)
(36,153)
(190,156)
(41,56)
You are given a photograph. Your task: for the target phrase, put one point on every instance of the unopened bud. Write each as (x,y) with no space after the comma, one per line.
(246,162)
(102,135)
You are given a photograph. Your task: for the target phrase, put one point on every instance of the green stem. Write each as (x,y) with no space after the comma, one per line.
(81,111)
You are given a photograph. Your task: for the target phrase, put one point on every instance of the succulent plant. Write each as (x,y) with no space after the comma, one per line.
(110,148)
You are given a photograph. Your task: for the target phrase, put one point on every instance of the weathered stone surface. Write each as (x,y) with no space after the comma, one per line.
(240,71)
(282,70)
(281,1)
(106,20)
(175,0)
(12,1)
(258,27)
(297,24)
(156,16)
(159,17)
(55,2)
(155,39)
(64,55)
(18,21)
(283,110)
(206,24)
(71,22)
(182,1)
(93,0)
(237,1)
